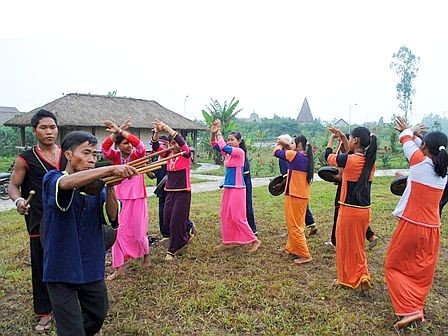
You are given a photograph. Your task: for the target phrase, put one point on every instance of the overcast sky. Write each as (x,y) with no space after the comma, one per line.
(268,54)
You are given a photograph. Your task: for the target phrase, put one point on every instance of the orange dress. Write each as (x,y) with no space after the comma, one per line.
(414,248)
(353,219)
(297,193)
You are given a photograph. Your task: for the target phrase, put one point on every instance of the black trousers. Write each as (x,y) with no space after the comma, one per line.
(309,218)
(164,230)
(79,310)
(41,300)
(249,206)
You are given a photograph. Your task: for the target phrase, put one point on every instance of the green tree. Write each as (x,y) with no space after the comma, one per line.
(225,112)
(406,66)
(436,126)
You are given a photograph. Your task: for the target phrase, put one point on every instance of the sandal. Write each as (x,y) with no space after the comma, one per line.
(43,325)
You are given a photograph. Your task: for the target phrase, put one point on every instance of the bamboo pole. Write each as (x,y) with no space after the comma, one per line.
(143,169)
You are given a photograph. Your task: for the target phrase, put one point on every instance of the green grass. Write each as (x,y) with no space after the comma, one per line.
(234,293)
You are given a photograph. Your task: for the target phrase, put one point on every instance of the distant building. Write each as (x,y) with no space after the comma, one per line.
(342,124)
(7,113)
(305,114)
(87,112)
(253,118)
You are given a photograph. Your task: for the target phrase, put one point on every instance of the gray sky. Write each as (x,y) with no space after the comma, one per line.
(268,54)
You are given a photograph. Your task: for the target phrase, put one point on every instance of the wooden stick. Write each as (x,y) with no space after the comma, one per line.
(30,197)
(339,146)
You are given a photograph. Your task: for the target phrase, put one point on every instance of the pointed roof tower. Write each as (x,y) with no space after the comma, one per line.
(305,113)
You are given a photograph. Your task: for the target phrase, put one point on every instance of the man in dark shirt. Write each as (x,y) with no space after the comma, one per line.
(74,245)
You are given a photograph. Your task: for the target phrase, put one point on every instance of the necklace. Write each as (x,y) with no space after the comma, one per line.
(125,160)
(55,154)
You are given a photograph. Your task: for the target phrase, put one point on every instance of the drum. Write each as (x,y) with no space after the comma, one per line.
(93,188)
(398,185)
(328,173)
(109,236)
(277,185)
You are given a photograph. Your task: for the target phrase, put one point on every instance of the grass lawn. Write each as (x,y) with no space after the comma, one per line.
(235,293)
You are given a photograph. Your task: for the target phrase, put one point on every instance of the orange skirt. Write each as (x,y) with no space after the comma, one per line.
(410,266)
(295,210)
(351,260)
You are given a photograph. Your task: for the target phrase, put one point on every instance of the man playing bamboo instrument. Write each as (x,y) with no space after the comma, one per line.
(74,244)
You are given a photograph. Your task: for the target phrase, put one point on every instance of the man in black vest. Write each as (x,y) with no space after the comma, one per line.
(29,169)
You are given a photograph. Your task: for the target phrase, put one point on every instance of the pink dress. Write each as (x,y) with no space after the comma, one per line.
(132,239)
(234,226)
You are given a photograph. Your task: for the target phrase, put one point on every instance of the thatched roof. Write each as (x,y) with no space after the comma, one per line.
(305,113)
(7,113)
(90,110)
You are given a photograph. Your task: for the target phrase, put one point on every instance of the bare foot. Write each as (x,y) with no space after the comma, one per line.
(119,272)
(222,247)
(303,260)
(146,260)
(169,256)
(406,320)
(365,285)
(255,245)
(283,250)
(44,324)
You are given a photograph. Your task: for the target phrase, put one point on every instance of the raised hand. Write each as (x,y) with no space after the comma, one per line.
(336,132)
(126,124)
(400,124)
(216,126)
(159,125)
(111,126)
(419,129)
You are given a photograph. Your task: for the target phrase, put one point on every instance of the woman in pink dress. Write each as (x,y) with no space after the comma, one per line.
(132,239)
(235,229)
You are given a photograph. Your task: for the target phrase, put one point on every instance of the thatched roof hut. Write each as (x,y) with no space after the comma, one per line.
(7,113)
(86,112)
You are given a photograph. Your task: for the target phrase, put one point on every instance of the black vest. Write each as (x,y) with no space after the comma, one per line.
(36,168)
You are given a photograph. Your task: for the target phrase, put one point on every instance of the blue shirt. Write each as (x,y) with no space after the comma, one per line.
(74,244)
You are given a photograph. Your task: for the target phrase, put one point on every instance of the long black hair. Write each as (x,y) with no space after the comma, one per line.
(239,137)
(309,152)
(368,143)
(433,142)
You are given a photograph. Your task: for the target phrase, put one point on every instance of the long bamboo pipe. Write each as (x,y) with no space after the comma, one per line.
(144,169)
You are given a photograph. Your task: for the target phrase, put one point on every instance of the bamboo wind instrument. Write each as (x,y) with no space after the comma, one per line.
(144,160)
(142,169)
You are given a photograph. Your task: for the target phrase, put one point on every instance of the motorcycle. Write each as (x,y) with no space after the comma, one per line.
(4,183)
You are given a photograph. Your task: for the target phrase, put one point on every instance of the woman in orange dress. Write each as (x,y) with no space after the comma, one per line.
(354,211)
(297,194)
(414,248)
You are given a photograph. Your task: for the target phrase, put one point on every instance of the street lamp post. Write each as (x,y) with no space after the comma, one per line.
(185,106)
(350,116)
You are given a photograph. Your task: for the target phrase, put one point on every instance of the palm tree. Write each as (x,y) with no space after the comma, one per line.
(227,114)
